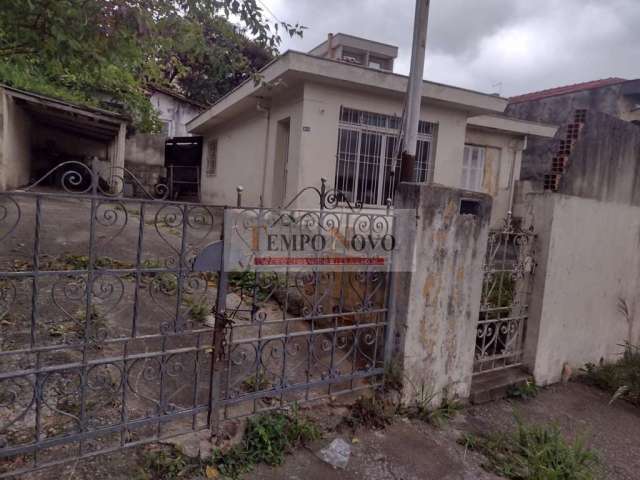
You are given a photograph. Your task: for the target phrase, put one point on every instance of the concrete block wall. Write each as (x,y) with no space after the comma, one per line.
(435,308)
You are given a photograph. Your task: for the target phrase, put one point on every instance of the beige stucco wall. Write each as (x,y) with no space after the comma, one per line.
(588,259)
(321,112)
(241,154)
(15,162)
(314,111)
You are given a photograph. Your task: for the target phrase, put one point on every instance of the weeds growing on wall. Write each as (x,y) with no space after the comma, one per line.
(621,378)
(371,412)
(534,453)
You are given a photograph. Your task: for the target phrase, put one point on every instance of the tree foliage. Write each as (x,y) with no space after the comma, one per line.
(106,52)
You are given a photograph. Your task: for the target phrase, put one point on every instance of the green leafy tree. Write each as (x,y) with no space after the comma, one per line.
(106,52)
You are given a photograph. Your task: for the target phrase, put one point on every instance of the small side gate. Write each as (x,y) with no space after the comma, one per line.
(109,339)
(506,287)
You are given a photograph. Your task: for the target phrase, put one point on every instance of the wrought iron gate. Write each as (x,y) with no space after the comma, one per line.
(294,335)
(104,340)
(107,337)
(508,270)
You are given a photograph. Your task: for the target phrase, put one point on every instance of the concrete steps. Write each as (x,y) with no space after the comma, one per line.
(491,386)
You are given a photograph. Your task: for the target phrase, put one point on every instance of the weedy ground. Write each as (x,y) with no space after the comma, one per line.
(620,378)
(267,439)
(534,452)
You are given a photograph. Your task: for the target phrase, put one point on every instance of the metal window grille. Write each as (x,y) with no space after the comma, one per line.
(366,142)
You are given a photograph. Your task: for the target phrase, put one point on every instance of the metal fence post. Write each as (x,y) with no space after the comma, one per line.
(218,353)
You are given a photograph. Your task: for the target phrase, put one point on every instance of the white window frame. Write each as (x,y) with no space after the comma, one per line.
(473,162)
(357,122)
(212,159)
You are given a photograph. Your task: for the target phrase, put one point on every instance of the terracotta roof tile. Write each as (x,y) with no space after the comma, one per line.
(576,87)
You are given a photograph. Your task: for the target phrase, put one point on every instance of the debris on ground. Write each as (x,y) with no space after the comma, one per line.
(336,454)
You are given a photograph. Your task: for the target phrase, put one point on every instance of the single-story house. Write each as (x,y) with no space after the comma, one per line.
(335,113)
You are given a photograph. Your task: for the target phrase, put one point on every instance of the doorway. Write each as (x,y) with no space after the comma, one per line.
(283,133)
(182,158)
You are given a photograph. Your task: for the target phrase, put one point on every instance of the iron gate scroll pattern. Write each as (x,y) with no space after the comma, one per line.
(103,344)
(304,334)
(506,287)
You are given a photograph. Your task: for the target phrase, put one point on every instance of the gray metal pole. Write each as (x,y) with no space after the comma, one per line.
(414,91)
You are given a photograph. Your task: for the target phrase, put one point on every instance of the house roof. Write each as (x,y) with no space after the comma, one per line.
(176,95)
(89,122)
(294,65)
(576,87)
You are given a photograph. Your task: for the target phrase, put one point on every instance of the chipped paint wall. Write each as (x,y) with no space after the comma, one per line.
(436,307)
(588,260)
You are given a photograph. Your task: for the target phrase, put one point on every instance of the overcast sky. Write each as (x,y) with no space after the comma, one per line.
(504,46)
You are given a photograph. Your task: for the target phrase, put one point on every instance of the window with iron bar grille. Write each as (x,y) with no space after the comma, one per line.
(366,144)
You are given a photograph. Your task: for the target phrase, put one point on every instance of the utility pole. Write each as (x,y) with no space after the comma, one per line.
(414,92)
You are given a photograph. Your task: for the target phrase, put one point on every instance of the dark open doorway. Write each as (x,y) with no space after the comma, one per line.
(182,158)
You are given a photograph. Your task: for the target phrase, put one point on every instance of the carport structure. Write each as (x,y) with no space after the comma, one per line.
(38,133)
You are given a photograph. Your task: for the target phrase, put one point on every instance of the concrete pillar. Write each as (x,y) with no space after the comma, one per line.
(435,308)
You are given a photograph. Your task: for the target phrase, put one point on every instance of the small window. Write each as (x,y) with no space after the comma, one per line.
(473,167)
(165,127)
(212,157)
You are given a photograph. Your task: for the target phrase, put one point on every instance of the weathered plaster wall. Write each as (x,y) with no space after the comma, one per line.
(605,162)
(436,307)
(15,164)
(588,259)
(145,149)
(559,110)
(174,112)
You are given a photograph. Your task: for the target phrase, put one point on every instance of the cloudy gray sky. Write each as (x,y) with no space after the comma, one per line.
(505,46)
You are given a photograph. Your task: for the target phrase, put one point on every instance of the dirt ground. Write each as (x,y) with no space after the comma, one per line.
(415,451)
(412,450)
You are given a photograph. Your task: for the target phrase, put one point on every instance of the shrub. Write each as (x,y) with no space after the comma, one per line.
(534,453)
(621,378)
(266,440)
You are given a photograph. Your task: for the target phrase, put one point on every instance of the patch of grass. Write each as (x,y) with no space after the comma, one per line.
(424,410)
(621,378)
(371,412)
(257,382)
(534,452)
(266,440)
(526,391)
(198,309)
(440,415)
(168,464)
(248,283)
